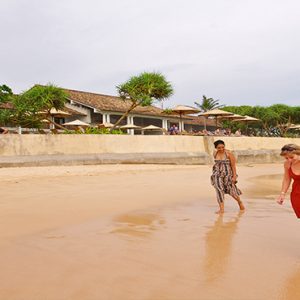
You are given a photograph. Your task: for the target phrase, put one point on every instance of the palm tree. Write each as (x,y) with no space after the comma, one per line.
(208,104)
(143,90)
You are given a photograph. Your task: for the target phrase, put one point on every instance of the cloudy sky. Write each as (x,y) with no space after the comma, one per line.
(237,51)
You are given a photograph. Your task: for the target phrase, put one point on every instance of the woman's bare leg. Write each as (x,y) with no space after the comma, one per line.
(240,203)
(221,210)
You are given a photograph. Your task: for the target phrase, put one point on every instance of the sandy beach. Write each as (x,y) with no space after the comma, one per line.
(133,232)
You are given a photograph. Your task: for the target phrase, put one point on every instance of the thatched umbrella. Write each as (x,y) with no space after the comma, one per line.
(130,126)
(55,113)
(152,128)
(233,117)
(106,125)
(215,113)
(183,110)
(297,127)
(76,123)
(247,120)
(59,113)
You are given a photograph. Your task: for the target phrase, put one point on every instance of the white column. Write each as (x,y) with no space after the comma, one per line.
(132,122)
(129,122)
(108,118)
(52,126)
(179,126)
(104,118)
(165,124)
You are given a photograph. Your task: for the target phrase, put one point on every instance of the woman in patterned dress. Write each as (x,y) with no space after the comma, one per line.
(224,177)
(291,153)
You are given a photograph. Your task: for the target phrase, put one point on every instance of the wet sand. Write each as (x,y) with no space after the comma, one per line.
(144,232)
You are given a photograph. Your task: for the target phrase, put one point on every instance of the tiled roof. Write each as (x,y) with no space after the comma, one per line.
(116,104)
(73,112)
(111,103)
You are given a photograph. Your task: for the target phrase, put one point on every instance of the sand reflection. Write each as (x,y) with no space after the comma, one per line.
(137,224)
(218,247)
(264,186)
(291,290)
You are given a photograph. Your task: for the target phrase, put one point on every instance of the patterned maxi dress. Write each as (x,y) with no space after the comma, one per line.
(221,179)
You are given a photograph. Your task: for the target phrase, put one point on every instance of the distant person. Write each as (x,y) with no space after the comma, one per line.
(224,176)
(173,129)
(228,132)
(291,153)
(3,130)
(238,133)
(217,131)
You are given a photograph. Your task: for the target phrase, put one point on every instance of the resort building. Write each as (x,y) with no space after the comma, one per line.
(95,109)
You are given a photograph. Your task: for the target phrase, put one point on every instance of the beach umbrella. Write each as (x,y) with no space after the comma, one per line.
(297,127)
(233,117)
(183,110)
(130,126)
(59,113)
(152,127)
(215,113)
(247,120)
(56,113)
(106,125)
(76,123)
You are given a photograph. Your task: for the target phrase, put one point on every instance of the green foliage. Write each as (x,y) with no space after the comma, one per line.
(143,90)
(6,96)
(275,119)
(208,104)
(5,93)
(94,130)
(43,98)
(34,105)
(168,111)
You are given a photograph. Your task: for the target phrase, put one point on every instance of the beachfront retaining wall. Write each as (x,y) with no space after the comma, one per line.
(18,150)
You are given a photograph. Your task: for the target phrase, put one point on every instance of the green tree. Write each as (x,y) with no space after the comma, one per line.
(35,104)
(143,90)
(6,99)
(275,119)
(5,93)
(208,104)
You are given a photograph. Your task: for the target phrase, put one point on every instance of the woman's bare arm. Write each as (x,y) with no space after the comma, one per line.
(232,163)
(286,181)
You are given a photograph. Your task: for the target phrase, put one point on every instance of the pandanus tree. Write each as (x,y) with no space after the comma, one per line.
(143,90)
(35,104)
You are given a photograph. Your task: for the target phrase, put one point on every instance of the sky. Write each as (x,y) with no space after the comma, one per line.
(237,51)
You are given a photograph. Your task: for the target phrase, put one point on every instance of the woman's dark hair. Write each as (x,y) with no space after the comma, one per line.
(218,142)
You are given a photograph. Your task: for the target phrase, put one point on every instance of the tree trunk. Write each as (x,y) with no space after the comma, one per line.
(54,123)
(124,115)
